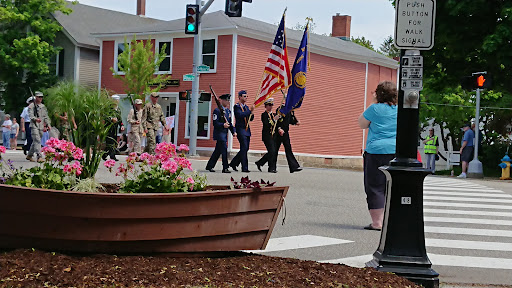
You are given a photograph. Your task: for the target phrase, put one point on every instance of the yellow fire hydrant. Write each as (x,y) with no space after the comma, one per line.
(505,166)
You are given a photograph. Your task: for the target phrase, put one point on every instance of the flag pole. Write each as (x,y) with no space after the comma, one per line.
(275,121)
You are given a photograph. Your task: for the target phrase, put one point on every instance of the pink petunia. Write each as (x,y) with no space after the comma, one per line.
(78,154)
(183,147)
(109,163)
(76,165)
(170,166)
(2,149)
(190,180)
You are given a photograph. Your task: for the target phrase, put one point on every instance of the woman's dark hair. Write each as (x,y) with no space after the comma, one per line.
(386,93)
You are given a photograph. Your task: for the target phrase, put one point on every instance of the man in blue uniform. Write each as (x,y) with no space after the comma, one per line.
(243,115)
(221,124)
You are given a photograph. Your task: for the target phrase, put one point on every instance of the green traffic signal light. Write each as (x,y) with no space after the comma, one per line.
(191,27)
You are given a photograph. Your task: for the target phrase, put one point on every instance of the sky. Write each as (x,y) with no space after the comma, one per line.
(373,19)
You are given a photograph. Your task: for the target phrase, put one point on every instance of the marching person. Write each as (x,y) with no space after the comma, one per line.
(136,130)
(39,121)
(115,124)
(151,115)
(25,125)
(243,115)
(267,136)
(282,136)
(431,149)
(221,124)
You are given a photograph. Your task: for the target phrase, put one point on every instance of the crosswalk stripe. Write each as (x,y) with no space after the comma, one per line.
(455,193)
(465,244)
(461,189)
(466,212)
(468,220)
(467,205)
(437,260)
(299,242)
(452,183)
(468,231)
(467,199)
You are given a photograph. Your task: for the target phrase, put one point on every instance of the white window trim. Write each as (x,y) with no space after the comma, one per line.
(209,121)
(216,38)
(157,44)
(116,44)
(56,63)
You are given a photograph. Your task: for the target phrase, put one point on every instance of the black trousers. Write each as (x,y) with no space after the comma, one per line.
(28,135)
(220,149)
(375,180)
(285,140)
(111,145)
(241,156)
(269,156)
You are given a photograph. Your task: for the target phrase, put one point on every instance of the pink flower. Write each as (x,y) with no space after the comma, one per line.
(47,150)
(2,149)
(183,147)
(170,166)
(144,156)
(67,168)
(76,165)
(184,163)
(109,163)
(168,149)
(190,180)
(78,154)
(52,142)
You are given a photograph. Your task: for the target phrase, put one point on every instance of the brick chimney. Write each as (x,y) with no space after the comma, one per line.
(141,8)
(341,26)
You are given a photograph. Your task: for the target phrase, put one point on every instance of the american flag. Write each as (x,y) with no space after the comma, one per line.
(277,70)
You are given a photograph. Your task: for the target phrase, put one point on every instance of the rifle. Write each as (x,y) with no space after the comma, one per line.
(134,108)
(217,101)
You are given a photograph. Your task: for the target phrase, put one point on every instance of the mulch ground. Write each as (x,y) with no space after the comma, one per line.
(29,268)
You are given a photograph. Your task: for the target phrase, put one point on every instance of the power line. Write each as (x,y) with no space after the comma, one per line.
(453,105)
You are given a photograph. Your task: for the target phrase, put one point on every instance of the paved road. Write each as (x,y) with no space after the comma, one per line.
(468,223)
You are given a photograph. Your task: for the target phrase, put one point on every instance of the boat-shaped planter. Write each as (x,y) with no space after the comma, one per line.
(218,219)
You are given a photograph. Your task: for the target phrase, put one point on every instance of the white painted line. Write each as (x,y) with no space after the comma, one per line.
(455,193)
(472,262)
(468,231)
(456,186)
(466,212)
(357,261)
(472,245)
(461,189)
(467,205)
(468,221)
(299,242)
(437,260)
(467,199)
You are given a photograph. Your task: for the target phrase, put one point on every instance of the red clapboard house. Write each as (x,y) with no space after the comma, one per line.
(339,86)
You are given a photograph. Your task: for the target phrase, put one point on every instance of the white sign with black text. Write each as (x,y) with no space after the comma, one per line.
(414,26)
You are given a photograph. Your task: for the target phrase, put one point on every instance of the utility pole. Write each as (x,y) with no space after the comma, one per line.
(194,98)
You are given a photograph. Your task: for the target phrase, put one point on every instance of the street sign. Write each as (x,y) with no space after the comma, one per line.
(203,68)
(411,84)
(412,73)
(414,24)
(189,77)
(412,61)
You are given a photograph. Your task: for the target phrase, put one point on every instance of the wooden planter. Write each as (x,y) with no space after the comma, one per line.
(220,220)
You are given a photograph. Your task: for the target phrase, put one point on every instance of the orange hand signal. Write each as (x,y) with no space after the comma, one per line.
(480,81)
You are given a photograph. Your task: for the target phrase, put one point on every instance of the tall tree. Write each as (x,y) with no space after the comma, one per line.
(137,66)
(26,46)
(363,42)
(388,48)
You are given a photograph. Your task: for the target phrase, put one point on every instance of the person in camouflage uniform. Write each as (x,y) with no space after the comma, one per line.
(135,120)
(151,115)
(38,121)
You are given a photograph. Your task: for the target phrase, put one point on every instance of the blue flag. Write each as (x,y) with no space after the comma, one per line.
(297,90)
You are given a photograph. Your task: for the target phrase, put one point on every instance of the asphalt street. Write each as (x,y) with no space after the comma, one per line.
(468,223)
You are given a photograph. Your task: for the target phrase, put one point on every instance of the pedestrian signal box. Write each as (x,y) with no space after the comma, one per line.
(203,96)
(477,81)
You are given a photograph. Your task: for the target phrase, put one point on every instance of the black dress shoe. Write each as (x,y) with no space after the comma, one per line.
(246,171)
(296,170)
(104,157)
(259,166)
(226,170)
(210,169)
(272,171)
(115,159)
(24,151)
(233,167)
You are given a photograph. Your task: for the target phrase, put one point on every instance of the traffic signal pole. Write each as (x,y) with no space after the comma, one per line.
(475,168)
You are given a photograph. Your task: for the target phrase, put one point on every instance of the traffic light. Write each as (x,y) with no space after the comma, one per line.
(477,80)
(192,19)
(234,8)
(184,95)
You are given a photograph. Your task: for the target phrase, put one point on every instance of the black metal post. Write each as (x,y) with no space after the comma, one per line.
(402,243)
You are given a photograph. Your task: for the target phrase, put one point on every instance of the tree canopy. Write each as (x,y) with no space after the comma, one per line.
(26,46)
(363,42)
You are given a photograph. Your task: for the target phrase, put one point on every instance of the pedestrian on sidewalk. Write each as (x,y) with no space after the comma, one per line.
(6,131)
(380,120)
(467,149)
(25,125)
(431,149)
(15,130)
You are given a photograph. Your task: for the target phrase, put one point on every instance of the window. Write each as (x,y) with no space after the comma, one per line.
(203,120)
(165,66)
(120,49)
(209,54)
(53,66)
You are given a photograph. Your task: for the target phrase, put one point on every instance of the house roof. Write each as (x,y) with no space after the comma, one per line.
(325,45)
(85,20)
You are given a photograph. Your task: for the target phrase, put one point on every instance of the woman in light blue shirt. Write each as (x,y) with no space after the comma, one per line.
(380,120)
